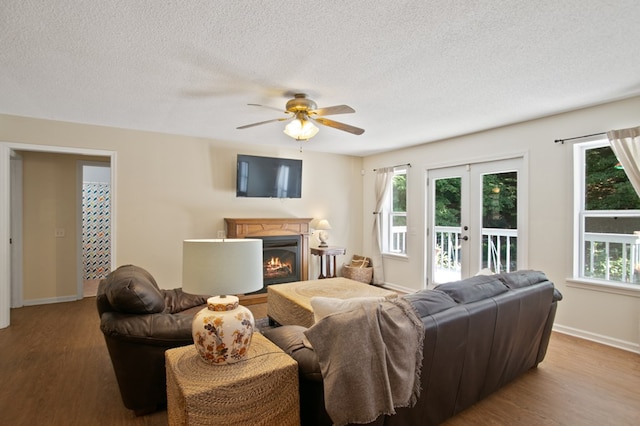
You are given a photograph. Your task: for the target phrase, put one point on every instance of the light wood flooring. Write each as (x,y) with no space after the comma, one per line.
(55,370)
(90,287)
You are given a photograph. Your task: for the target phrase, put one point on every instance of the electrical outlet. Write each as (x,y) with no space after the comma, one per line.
(220,235)
(59,232)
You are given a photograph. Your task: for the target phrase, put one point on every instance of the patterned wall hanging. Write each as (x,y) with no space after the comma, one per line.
(96,230)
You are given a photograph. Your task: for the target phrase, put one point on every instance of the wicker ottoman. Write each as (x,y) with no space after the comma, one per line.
(290,303)
(262,390)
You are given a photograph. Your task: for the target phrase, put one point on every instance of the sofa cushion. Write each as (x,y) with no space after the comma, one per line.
(290,338)
(521,279)
(473,289)
(132,289)
(323,306)
(429,302)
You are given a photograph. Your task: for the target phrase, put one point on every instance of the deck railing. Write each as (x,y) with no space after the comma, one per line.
(497,243)
(398,241)
(495,258)
(613,257)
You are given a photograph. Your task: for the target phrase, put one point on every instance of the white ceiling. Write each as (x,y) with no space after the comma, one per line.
(414,71)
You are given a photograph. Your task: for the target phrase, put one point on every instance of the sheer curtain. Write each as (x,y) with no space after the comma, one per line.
(626,145)
(384,177)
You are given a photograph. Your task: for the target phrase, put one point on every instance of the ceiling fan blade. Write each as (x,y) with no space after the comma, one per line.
(246,126)
(270,107)
(333,110)
(338,125)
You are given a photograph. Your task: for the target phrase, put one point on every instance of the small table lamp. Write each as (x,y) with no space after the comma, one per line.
(222,331)
(322,226)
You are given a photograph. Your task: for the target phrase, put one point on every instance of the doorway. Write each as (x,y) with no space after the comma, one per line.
(476,215)
(7,258)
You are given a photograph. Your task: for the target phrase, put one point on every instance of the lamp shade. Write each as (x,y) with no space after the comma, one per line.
(301,128)
(222,266)
(323,224)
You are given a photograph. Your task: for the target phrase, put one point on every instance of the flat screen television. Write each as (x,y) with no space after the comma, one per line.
(268,177)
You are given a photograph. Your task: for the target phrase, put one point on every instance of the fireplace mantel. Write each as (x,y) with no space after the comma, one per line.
(264,227)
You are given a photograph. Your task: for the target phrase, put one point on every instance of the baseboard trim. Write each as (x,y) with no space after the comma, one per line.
(398,288)
(598,338)
(49,300)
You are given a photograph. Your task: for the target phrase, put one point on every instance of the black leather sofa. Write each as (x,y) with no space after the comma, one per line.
(140,322)
(480,334)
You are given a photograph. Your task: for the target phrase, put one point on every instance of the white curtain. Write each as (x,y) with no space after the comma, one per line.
(626,145)
(384,177)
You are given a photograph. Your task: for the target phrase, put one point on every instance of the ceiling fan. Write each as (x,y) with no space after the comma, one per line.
(303,112)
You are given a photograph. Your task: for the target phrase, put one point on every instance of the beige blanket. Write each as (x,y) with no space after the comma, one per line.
(370,360)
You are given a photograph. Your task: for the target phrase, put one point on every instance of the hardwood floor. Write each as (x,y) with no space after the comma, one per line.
(55,370)
(578,383)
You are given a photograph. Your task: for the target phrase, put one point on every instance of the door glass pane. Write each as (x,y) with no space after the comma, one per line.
(500,221)
(447,259)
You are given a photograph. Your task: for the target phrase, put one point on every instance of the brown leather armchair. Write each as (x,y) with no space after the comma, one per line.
(140,322)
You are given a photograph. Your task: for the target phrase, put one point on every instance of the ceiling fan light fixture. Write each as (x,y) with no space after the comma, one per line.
(300,128)
(303,114)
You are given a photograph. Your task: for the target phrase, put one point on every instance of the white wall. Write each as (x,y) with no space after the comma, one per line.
(606,317)
(96,174)
(170,188)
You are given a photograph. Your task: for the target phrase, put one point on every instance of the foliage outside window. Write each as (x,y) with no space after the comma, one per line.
(395,224)
(608,218)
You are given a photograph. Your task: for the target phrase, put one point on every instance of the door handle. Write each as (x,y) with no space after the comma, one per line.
(465,238)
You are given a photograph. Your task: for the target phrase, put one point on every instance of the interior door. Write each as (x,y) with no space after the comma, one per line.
(475,217)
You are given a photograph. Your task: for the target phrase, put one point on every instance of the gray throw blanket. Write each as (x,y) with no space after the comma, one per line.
(370,359)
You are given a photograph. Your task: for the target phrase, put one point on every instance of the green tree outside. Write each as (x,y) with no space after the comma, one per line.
(607,186)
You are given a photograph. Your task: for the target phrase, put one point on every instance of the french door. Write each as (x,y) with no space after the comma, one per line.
(475,219)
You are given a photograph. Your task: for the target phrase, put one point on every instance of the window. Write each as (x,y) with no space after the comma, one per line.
(608,217)
(395,215)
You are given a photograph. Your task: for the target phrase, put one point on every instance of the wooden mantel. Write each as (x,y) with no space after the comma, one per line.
(265,227)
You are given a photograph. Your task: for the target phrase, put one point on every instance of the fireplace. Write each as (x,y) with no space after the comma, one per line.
(285,246)
(281,256)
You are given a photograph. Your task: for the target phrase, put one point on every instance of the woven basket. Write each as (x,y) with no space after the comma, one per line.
(364,275)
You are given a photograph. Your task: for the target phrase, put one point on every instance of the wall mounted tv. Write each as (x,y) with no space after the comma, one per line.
(268,177)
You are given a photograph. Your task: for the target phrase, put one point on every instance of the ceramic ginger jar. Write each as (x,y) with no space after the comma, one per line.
(222,331)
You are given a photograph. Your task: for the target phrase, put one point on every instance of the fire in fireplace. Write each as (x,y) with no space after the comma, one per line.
(276,268)
(281,259)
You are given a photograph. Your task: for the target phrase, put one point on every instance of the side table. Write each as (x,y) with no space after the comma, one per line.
(261,390)
(326,255)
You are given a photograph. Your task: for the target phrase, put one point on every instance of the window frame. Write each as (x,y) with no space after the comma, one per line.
(388,215)
(580,214)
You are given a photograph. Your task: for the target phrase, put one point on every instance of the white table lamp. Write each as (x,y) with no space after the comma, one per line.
(222,331)
(323,226)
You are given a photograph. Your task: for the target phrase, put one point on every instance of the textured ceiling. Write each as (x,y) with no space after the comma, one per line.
(414,71)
